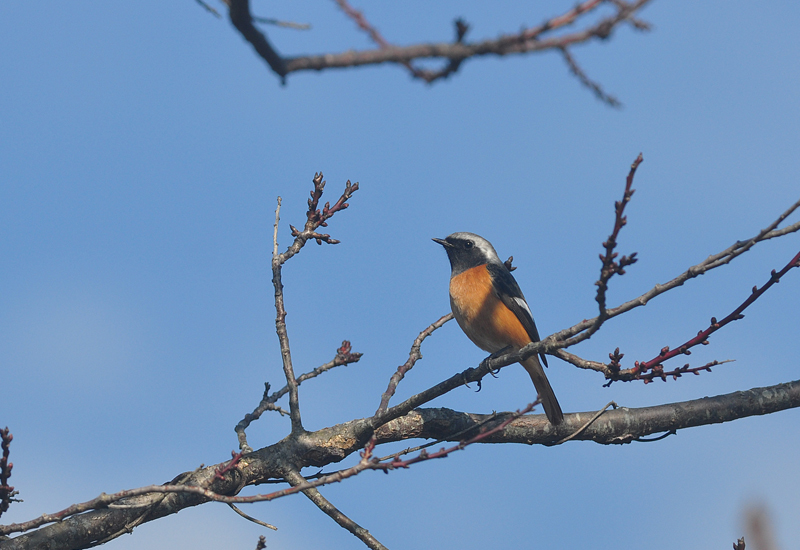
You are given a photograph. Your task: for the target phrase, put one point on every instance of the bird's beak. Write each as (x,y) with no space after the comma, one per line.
(442,242)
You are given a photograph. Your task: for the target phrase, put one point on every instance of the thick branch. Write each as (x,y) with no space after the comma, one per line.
(621,425)
(243,21)
(332,444)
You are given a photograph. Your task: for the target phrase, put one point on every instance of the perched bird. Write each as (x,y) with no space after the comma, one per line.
(491,310)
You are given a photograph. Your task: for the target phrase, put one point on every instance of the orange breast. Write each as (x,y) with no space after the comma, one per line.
(481,314)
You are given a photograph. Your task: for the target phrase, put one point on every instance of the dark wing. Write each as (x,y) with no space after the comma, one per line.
(509,292)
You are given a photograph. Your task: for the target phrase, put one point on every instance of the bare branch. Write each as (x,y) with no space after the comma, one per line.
(598,91)
(654,368)
(621,425)
(239,12)
(284,24)
(251,518)
(314,219)
(7,492)
(413,357)
(295,479)
(565,338)
(618,426)
(280,328)
(344,356)
(525,41)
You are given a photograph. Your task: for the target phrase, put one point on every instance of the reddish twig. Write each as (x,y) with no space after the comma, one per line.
(7,492)
(573,335)
(654,368)
(413,356)
(441,453)
(642,367)
(318,218)
(359,19)
(220,472)
(610,266)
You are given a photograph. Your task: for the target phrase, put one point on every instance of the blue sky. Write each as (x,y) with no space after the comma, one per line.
(142,148)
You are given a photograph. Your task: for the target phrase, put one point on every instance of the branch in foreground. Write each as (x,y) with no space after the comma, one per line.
(330,445)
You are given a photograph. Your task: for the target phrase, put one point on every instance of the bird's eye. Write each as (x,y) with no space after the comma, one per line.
(469,244)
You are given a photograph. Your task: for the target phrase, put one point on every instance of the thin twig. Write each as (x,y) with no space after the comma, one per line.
(568,336)
(413,356)
(209,9)
(344,356)
(583,428)
(294,478)
(251,518)
(280,328)
(7,492)
(598,91)
(285,24)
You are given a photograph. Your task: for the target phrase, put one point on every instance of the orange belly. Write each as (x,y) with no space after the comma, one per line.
(482,315)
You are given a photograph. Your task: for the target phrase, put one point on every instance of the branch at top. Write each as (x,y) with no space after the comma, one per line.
(579,73)
(242,19)
(454,53)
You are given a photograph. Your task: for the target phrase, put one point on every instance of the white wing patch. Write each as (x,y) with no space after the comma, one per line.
(524,305)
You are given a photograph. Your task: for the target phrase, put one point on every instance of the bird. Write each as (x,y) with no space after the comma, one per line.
(490,308)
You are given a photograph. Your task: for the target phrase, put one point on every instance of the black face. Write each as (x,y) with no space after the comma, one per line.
(465,251)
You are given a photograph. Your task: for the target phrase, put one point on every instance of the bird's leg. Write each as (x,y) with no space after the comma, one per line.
(495,355)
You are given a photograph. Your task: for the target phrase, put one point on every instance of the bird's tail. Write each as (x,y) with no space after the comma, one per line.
(551,407)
